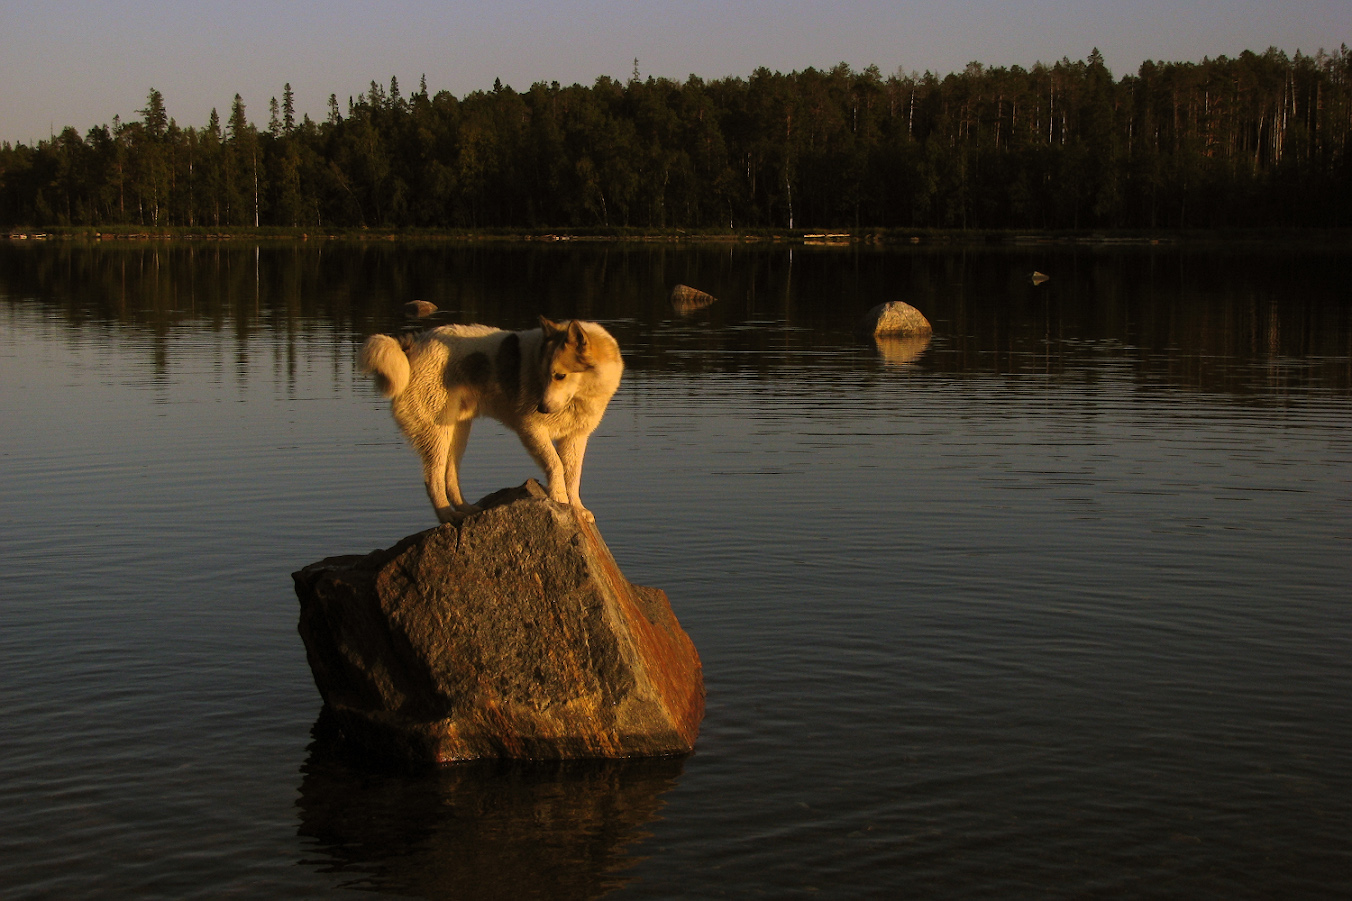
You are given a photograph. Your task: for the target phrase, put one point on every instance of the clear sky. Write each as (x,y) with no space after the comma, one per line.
(65,62)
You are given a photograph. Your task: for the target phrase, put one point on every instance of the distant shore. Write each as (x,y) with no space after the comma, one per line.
(840,237)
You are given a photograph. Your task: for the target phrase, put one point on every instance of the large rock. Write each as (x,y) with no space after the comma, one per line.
(511,633)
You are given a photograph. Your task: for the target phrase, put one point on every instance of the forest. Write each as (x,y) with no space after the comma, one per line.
(1258,140)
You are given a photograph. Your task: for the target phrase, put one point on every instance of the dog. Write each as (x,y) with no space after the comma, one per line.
(550,385)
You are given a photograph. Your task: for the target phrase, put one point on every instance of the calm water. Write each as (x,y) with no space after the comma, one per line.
(1058,607)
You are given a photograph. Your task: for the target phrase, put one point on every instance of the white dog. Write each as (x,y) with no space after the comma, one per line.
(550,385)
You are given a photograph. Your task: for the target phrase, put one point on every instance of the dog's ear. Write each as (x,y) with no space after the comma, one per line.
(550,328)
(577,336)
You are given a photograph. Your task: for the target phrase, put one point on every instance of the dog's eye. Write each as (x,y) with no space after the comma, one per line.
(559,376)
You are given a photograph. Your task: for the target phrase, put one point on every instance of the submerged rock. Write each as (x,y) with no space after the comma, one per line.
(510,634)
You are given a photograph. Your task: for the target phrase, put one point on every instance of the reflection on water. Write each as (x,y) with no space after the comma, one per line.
(1268,321)
(558,830)
(900,351)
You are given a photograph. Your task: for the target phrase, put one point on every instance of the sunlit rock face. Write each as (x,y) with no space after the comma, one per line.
(895,319)
(511,634)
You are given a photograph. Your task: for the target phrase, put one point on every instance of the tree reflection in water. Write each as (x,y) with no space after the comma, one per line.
(1251,319)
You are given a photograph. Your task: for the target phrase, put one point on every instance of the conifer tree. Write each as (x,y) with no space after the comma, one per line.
(243,177)
(154,116)
(288,109)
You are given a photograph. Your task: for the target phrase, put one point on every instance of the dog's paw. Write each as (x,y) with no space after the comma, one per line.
(467,509)
(584,514)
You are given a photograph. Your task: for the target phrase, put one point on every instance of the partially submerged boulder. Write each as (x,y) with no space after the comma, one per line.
(419,309)
(510,634)
(685,299)
(895,318)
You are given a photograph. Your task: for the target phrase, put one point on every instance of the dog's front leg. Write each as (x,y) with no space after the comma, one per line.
(542,450)
(571,450)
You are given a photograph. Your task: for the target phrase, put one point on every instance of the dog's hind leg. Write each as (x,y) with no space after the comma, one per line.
(436,457)
(459,440)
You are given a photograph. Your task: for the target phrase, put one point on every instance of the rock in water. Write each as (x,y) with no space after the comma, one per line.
(419,309)
(685,299)
(511,633)
(895,318)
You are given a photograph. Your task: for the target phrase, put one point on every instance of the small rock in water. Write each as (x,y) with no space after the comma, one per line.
(895,318)
(419,309)
(509,634)
(685,299)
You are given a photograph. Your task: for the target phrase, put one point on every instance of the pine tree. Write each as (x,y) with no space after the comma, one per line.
(239,125)
(243,187)
(155,119)
(288,109)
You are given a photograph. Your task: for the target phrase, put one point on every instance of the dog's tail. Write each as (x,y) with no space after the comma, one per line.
(383,358)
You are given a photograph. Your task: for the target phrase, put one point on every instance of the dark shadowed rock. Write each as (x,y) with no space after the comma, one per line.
(895,318)
(511,633)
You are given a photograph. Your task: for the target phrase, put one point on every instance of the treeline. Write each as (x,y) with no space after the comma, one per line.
(1257,140)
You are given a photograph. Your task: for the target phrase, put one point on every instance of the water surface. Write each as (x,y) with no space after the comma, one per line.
(1055,605)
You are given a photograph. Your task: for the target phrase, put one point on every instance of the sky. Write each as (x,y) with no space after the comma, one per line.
(64,62)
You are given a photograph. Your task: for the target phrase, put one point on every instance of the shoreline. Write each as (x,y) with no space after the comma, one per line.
(839,238)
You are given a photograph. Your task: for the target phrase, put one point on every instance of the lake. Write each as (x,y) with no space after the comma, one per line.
(1056,605)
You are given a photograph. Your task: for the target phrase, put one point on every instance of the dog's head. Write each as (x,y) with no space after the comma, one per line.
(565,360)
